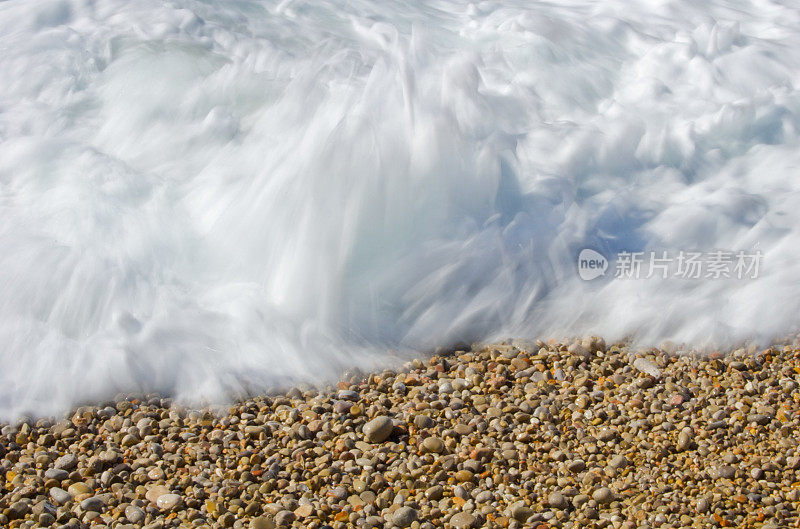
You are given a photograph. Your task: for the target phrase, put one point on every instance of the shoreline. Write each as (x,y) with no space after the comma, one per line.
(575,434)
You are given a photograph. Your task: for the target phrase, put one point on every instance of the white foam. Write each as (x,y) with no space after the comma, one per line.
(201,197)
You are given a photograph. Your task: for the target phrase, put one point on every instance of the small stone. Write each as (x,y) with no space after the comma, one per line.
(168,501)
(342,406)
(78,488)
(676,400)
(92,504)
(556,500)
(304,511)
(727,472)
(154,493)
(60,496)
(463,520)
(484,497)
(647,367)
(262,522)
(433,445)
(434,493)
(577,465)
(423,421)
(759,418)
(404,517)
(378,429)
(359,485)
(347,394)
(579,500)
(702,506)
(109,456)
(57,474)
(68,462)
(603,495)
(684,439)
(579,351)
(617,462)
(134,514)
(285,518)
(607,434)
(521,512)
(463,429)
(18,510)
(338,493)
(464,476)
(373,522)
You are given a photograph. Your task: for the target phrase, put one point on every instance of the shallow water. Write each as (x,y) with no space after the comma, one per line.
(197,196)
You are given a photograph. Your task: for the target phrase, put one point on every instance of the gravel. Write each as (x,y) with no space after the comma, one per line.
(556,435)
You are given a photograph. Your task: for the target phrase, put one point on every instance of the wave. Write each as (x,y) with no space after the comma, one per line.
(202,197)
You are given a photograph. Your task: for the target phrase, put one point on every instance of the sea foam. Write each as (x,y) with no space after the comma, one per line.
(201,198)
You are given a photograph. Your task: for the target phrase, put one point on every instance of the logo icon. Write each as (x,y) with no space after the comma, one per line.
(591,264)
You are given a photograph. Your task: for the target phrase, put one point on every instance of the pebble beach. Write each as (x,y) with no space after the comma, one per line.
(508,435)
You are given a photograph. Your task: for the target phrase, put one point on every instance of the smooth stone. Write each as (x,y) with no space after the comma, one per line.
(464,476)
(60,496)
(404,516)
(109,456)
(603,495)
(433,445)
(423,421)
(168,501)
(579,500)
(134,514)
(435,492)
(647,367)
(154,493)
(373,522)
(78,488)
(347,394)
(521,512)
(618,462)
(684,439)
(18,510)
(463,429)
(92,504)
(68,462)
(57,474)
(578,465)
(342,406)
(462,520)
(305,510)
(285,518)
(262,522)
(557,500)
(579,351)
(606,434)
(759,418)
(378,429)
(484,497)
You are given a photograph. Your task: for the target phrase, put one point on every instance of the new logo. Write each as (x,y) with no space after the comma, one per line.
(591,264)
